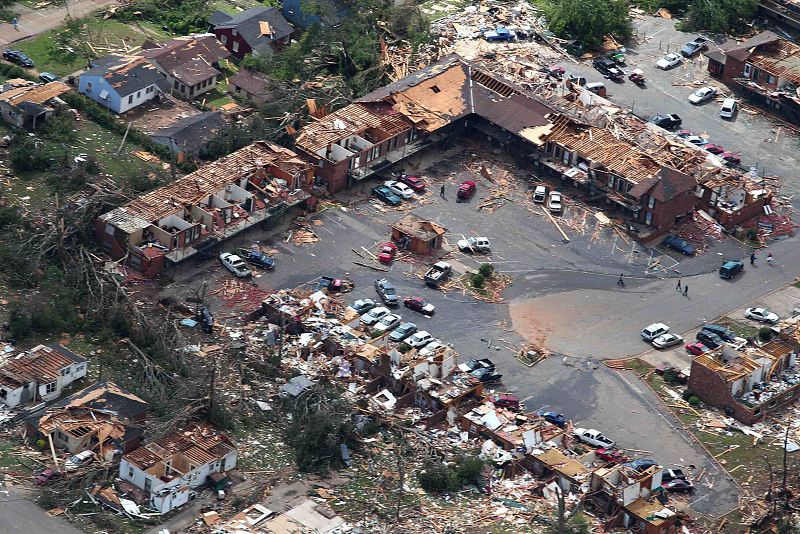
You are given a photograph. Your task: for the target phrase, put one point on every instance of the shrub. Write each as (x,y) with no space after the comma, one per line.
(19,322)
(469,470)
(752,234)
(477,280)
(765,333)
(670,376)
(486,270)
(438,478)
(9,216)
(693,401)
(687,394)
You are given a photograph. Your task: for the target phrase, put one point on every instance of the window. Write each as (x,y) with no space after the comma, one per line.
(611,181)
(89,88)
(3,393)
(648,218)
(235,46)
(65,371)
(756,72)
(238,89)
(148,485)
(435,89)
(130,99)
(223,39)
(50,388)
(771,79)
(411,135)
(80,367)
(138,95)
(130,471)
(747,68)
(651,202)
(234,32)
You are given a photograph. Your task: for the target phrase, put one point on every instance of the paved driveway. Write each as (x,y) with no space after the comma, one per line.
(758,139)
(20,514)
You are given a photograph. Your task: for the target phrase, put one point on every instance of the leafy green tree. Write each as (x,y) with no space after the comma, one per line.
(719,16)
(588,21)
(486,269)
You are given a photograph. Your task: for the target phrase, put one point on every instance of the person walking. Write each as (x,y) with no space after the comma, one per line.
(441,192)
(15,23)
(678,287)
(753,258)
(621,282)
(686,290)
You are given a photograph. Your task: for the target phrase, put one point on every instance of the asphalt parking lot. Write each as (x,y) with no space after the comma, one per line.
(527,247)
(758,140)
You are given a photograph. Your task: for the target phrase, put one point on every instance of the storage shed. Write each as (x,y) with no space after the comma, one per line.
(417,235)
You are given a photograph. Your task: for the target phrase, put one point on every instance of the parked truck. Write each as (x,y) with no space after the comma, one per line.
(438,273)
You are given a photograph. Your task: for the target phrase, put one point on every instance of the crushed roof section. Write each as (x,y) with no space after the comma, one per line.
(416,226)
(253,82)
(40,364)
(741,51)
(34,94)
(201,444)
(665,185)
(780,58)
(192,133)
(208,179)
(183,50)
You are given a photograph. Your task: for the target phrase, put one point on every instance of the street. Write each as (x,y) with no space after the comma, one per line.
(32,22)
(756,138)
(19,513)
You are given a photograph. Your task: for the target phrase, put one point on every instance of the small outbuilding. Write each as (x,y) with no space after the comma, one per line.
(417,235)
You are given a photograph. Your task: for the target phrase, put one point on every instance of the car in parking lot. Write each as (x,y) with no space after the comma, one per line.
(666,121)
(678,244)
(540,194)
(259,259)
(709,339)
(722,331)
(702,95)
(650,332)
(402,331)
(234,264)
(505,400)
(728,108)
(730,268)
(388,322)
(693,47)
(362,306)
(486,376)
(593,437)
(15,56)
(554,418)
(470,365)
(474,244)
(374,315)
(466,190)
(678,485)
(667,340)
(399,188)
(385,195)
(387,292)
(612,456)
(608,68)
(669,61)
(413,182)
(387,253)
(761,315)
(419,339)
(641,464)
(432,348)
(696,140)
(48,77)
(714,149)
(554,202)
(730,158)
(696,348)
(419,304)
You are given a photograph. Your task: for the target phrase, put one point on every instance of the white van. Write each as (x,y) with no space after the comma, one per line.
(728,109)
(540,194)
(654,330)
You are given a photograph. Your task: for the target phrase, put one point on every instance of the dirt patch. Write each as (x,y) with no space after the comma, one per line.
(533,319)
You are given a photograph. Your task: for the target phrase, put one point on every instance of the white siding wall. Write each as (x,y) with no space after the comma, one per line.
(13,397)
(139,97)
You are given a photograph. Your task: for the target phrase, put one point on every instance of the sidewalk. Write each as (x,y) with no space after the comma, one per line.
(32,22)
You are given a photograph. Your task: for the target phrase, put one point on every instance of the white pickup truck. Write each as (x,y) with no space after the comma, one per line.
(438,273)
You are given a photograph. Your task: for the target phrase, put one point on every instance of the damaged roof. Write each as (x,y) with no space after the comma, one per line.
(259,26)
(208,179)
(187,49)
(40,364)
(741,51)
(191,133)
(665,185)
(108,396)
(34,94)
(201,443)
(416,226)
(780,58)
(126,74)
(253,82)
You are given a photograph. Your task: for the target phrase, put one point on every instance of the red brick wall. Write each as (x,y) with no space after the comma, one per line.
(111,244)
(664,213)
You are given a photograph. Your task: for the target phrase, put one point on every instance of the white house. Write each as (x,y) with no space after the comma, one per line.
(39,374)
(168,468)
(120,83)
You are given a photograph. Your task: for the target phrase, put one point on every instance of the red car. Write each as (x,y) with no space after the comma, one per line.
(46,476)
(386,255)
(731,158)
(714,149)
(696,348)
(466,190)
(419,304)
(504,400)
(413,182)
(612,456)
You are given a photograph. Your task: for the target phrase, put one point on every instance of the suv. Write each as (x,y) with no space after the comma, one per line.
(709,339)
(386,291)
(608,68)
(730,268)
(540,194)
(667,122)
(728,109)
(654,330)
(693,47)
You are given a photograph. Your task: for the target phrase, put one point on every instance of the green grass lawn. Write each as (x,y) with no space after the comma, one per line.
(105,36)
(236,6)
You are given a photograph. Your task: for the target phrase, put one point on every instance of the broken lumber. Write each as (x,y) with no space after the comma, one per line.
(373,267)
(555,223)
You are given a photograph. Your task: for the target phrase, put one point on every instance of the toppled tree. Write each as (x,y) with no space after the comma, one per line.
(437,477)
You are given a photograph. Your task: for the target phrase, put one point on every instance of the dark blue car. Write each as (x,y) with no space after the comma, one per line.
(259,259)
(678,244)
(554,418)
(385,194)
